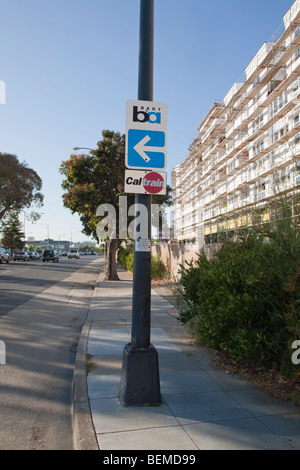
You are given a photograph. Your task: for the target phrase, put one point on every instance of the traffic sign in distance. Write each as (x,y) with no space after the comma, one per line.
(146,135)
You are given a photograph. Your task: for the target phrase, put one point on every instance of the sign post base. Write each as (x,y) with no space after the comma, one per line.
(140,384)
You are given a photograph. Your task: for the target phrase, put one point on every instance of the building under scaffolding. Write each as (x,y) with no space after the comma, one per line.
(247,151)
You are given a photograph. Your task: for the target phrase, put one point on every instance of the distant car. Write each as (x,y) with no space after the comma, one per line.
(31,254)
(64,253)
(21,256)
(40,253)
(73,254)
(50,255)
(4,256)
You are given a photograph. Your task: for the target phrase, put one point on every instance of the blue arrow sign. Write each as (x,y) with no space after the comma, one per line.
(146,135)
(146,149)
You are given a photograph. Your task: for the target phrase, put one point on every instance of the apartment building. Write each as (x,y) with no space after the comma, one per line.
(247,150)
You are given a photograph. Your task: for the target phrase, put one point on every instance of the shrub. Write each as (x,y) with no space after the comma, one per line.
(158,269)
(126,257)
(245,301)
(129,261)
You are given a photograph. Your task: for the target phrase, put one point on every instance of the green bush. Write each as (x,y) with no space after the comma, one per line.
(246,301)
(126,256)
(129,262)
(158,269)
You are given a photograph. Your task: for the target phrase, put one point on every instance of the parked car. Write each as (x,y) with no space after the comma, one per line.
(21,256)
(40,253)
(4,256)
(50,255)
(73,254)
(31,254)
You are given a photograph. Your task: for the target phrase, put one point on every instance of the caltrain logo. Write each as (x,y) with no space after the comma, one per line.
(151,183)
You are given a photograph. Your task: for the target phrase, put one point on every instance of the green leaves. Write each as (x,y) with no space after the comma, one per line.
(245,301)
(20,186)
(94,179)
(12,234)
(98,178)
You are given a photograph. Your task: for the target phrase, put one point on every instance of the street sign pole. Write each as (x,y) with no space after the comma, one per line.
(140,384)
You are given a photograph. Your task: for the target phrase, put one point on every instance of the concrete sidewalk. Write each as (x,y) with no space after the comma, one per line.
(203,408)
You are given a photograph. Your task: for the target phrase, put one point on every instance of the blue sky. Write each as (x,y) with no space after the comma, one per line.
(70,66)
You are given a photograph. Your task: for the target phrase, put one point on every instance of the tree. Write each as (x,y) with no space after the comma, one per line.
(12,233)
(95,179)
(20,186)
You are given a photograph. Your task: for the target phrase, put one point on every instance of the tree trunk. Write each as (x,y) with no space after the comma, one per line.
(110,261)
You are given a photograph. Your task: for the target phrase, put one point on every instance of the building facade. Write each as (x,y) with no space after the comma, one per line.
(58,245)
(247,150)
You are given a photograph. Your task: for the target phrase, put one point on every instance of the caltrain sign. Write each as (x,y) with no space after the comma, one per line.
(145,182)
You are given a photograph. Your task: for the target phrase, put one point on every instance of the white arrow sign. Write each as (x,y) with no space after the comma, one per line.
(146,135)
(142,147)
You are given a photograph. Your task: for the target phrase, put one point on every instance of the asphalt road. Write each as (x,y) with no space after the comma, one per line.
(42,309)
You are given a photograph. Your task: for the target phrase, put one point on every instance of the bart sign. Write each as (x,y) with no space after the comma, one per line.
(145,182)
(146,135)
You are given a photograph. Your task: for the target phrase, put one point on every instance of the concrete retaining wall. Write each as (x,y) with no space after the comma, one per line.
(177,254)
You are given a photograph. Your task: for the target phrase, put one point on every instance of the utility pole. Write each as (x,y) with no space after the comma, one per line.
(140,384)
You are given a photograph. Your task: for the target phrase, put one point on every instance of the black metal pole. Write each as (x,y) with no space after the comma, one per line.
(140,373)
(141,305)
(145,85)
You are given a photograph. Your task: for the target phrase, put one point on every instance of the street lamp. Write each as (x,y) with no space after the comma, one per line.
(81,148)
(28,215)
(47,226)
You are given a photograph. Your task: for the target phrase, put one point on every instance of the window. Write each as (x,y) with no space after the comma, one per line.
(261,162)
(258,147)
(257,123)
(280,101)
(297,138)
(231,167)
(260,190)
(256,82)
(281,133)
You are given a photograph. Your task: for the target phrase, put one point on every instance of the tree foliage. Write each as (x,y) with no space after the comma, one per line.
(95,179)
(12,234)
(20,186)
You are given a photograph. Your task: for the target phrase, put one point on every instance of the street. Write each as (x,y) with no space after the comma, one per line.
(42,310)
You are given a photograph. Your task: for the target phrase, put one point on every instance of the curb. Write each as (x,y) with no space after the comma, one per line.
(84,435)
